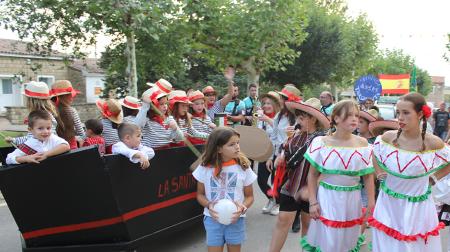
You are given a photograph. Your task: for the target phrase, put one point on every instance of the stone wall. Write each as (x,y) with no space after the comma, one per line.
(29,69)
(16,115)
(79,83)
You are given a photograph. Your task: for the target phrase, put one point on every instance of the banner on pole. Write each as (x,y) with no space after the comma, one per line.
(394,84)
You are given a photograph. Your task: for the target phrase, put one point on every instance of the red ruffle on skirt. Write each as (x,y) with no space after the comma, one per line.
(343,224)
(402,237)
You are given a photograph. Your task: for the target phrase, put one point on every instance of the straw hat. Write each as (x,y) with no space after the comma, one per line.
(274,96)
(196,95)
(38,90)
(111,109)
(371,115)
(63,87)
(178,96)
(291,93)
(162,85)
(208,90)
(377,127)
(311,106)
(152,95)
(131,102)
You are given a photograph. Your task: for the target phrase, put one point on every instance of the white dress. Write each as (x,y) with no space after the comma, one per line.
(339,197)
(405,217)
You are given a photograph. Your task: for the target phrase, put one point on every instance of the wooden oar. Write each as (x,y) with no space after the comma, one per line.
(4,137)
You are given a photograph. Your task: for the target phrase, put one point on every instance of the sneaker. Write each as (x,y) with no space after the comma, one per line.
(275,210)
(266,209)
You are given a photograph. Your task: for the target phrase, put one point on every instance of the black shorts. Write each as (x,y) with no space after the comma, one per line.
(288,204)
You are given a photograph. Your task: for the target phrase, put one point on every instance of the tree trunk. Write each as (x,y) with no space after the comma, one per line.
(253,73)
(334,91)
(131,68)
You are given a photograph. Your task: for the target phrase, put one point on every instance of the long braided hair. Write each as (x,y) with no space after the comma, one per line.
(342,108)
(418,102)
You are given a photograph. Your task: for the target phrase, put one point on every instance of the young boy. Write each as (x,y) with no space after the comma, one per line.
(130,145)
(42,145)
(94,129)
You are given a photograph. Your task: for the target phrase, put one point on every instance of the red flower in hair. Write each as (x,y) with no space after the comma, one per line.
(426,111)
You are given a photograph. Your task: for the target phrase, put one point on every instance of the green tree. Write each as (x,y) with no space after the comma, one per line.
(398,62)
(336,50)
(77,23)
(253,35)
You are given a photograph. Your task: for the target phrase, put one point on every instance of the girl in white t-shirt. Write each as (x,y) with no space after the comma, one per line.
(224,174)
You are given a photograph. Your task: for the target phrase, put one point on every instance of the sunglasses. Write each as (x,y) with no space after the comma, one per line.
(210,94)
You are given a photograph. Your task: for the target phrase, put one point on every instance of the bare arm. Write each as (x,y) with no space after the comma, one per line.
(229,75)
(369,185)
(61,148)
(314,208)
(442,172)
(201,198)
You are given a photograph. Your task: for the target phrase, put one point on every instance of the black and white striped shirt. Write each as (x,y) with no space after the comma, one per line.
(191,131)
(109,133)
(216,108)
(202,124)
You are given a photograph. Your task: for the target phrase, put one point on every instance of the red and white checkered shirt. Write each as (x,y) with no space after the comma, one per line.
(96,140)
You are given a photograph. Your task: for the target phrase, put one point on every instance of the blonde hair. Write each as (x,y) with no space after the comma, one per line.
(342,108)
(41,104)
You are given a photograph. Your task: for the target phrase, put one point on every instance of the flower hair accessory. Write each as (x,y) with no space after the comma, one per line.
(426,111)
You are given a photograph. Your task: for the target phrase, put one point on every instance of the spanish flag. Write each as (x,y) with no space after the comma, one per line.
(394,84)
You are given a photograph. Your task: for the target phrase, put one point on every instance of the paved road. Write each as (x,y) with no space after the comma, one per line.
(259,229)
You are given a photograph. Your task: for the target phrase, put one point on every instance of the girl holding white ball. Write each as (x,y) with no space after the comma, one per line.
(224,188)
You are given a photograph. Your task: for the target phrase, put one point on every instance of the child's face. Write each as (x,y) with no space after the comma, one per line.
(348,124)
(89,133)
(133,141)
(42,129)
(363,126)
(198,105)
(183,108)
(231,149)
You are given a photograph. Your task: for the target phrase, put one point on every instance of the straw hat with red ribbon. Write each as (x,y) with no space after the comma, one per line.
(371,115)
(312,107)
(38,90)
(196,95)
(178,96)
(152,95)
(131,102)
(377,127)
(274,96)
(208,90)
(291,93)
(163,85)
(63,87)
(111,109)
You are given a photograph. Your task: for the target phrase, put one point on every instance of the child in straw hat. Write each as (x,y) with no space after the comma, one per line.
(201,121)
(130,108)
(71,128)
(37,98)
(111,118)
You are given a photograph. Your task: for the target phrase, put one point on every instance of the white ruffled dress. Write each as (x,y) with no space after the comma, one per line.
(405,217)
(339,196)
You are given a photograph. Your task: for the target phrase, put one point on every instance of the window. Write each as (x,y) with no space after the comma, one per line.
(7,87)
(48,79)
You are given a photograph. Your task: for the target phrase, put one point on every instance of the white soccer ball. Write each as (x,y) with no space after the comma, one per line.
(225,209)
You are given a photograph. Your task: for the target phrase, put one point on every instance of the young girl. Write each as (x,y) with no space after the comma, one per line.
(200,120)
(37,98)
(365,118)
(293,196)
(159,130)
(179,107)
(111,118)
(335,202)
(70,126)
(407,161)
(225,173)
(270,107)
(130,108)
(283,126)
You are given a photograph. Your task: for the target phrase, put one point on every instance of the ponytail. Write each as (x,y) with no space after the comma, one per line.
(424,131)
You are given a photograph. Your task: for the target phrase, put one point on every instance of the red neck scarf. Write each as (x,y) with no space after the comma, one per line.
(210,105)
(159,120)
(200,115)
(271,115)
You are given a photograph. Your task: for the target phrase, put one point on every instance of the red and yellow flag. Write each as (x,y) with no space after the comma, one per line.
(394,84)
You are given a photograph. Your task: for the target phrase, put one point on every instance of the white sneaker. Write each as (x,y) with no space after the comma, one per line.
(268,207)
(275,210)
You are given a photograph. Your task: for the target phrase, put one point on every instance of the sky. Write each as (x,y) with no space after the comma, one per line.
(418,27)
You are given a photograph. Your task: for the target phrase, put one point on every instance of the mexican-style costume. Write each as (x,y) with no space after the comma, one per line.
(405,217)
(339,197)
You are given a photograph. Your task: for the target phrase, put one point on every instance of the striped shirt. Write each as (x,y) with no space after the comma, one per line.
(216,108)
(109,133)
(202,124)
(129,119)
(23,139)
(154,134)
(191,131)
(79,131)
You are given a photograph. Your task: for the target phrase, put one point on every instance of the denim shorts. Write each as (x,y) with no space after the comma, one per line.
(218,234)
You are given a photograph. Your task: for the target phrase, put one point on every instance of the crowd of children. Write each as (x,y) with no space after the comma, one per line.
(321,172)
